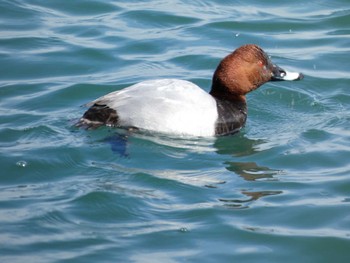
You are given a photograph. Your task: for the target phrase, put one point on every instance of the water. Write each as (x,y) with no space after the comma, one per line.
(277,191)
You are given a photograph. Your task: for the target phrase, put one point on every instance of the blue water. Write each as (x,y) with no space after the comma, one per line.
(279,191)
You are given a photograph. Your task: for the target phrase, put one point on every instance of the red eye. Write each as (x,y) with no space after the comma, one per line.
(260,63)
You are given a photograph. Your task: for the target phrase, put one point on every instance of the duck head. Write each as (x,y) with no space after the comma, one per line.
(244,70)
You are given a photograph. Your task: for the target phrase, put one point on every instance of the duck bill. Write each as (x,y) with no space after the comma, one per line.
(279,74)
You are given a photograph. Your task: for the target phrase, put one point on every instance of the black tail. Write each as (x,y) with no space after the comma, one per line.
(98,115)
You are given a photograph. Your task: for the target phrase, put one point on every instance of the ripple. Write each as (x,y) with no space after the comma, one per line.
(302,233)
(152,18)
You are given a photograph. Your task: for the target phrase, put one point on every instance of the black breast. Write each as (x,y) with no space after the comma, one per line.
(231,117)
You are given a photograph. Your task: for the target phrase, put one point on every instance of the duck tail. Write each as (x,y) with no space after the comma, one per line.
(98,115)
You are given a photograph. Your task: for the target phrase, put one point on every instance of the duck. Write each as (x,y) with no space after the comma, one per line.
(180,107)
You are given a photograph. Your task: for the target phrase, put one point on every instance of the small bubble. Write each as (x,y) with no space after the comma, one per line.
(237,34)
(22,163)
(183,230)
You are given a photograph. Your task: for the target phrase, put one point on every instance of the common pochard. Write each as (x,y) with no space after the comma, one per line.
(181,107)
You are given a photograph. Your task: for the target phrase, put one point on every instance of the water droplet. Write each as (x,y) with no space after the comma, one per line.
(22,163)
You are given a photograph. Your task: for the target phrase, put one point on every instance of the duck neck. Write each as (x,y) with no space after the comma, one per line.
(232,111)
(222,93)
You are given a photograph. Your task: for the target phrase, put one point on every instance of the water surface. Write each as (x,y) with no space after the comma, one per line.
(277,191)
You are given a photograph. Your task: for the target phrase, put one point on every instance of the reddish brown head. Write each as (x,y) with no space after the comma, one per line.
(244,70)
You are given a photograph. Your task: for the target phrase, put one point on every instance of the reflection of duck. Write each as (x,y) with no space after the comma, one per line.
(242,146)
(250,171)
(237,146)
(253,196)
(181,107)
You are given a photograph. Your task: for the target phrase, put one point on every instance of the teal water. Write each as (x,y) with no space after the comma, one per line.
(279,191)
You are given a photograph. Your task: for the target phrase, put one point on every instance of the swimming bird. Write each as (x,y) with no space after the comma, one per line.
(180,107)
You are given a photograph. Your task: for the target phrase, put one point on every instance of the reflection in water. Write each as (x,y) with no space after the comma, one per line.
(241,146)
(250,171)
(237,145)
(253,196)
(119,141)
